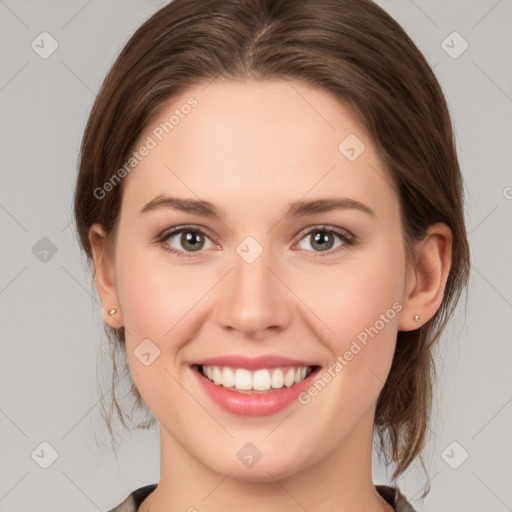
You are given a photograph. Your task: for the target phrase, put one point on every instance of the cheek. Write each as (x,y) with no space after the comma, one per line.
(360,305)
(159,299)
(353,295)
(154,297)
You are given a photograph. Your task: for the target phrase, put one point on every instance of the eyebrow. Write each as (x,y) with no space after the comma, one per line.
(300,208)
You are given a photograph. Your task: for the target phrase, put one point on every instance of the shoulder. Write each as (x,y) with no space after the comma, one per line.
(134,499)
(394,497)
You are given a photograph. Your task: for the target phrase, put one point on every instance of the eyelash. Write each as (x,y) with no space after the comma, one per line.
(348,239)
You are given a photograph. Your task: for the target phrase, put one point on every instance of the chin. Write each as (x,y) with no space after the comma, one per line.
(263,471)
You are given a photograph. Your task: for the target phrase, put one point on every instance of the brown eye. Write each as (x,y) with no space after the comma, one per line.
(323,240)
(192,240)
(185,240)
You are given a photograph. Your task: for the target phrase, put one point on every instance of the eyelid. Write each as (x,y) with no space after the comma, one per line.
(344,233)
(166,233)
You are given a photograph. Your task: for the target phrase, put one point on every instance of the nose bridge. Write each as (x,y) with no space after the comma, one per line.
(254,299)
(251,270)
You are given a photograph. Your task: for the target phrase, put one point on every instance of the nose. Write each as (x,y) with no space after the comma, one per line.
(254,299)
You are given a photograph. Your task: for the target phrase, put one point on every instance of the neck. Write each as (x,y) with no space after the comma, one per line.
(340,481)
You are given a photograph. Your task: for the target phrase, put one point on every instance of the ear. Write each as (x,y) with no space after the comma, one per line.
(426,277)
(105,277)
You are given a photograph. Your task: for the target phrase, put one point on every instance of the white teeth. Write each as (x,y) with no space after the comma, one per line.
(241,379)
(289,378)
(277,380)
(228,377)
(217,375)
(261,380)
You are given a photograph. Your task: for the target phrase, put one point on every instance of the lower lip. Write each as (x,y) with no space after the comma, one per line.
(246,404)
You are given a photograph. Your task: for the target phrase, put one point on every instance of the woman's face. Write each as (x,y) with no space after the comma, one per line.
(257,279)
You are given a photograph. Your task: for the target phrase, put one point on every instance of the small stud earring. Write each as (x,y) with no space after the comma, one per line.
(416,318)
(112,312)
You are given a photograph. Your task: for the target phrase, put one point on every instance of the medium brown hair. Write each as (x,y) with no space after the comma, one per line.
(350,48)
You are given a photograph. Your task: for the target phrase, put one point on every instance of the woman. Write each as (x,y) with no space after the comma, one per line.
(270,194)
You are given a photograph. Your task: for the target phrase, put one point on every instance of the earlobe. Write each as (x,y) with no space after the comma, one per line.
(104,276)
(426,280)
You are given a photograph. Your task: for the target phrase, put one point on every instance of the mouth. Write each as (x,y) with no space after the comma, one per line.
(255,381)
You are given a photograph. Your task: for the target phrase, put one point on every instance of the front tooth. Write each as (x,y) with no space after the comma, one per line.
(243,379)
(277,380)
(217,375)
(228,377)
(289,378)
(261,380)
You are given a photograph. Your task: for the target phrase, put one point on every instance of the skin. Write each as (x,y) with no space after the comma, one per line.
(250,148)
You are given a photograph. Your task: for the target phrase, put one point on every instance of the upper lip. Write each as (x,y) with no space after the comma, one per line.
(252,363)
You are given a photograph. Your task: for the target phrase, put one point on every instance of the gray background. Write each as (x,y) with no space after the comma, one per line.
(52,341)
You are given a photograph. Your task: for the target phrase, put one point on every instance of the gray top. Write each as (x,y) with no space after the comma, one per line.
(391,494)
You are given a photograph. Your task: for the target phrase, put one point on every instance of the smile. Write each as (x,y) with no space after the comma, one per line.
(242,380)
(253,386)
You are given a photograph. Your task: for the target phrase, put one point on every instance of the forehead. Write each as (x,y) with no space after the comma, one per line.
(257,141)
